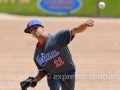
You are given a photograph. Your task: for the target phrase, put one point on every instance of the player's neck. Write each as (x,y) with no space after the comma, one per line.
(42,39)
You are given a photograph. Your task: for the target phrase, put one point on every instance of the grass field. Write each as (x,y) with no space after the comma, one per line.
(89,9)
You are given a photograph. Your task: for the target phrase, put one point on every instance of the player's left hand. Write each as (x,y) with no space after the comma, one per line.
(29,82)
(89,23)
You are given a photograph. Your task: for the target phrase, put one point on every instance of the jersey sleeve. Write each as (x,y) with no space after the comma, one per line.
(64,37)
(40,68)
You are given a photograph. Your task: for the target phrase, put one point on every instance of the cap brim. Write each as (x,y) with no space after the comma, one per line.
(27,30)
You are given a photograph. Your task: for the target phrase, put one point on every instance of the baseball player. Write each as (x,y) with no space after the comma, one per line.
(52,56)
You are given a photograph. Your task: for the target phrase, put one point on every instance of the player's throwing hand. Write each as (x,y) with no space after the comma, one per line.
(89,23)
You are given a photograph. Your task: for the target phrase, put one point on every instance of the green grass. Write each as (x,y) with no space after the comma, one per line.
(89,9)
(112,8)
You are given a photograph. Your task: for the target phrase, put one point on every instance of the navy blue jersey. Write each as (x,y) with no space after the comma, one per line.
(54,56)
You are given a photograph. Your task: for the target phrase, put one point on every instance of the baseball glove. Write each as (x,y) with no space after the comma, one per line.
(29,82)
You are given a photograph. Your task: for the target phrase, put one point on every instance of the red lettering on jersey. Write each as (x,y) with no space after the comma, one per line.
(58,62)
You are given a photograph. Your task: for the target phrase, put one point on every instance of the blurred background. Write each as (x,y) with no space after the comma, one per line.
(96,51)
(83,8)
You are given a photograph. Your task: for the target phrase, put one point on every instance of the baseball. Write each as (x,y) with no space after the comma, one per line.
(101,5)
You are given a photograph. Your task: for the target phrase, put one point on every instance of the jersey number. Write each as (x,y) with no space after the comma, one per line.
(58,62)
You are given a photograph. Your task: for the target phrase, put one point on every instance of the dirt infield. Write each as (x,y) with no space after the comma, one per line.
(96,52)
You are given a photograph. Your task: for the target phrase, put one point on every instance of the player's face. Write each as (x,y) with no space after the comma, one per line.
(37,31)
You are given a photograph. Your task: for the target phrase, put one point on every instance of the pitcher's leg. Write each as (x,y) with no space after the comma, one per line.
(54,84)
(69,83)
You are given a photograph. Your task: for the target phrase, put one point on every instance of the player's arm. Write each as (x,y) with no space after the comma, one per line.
(41,72)
(32,81)
(40,75)
(82,27)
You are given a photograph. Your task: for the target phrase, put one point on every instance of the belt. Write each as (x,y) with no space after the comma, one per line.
(68,73)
